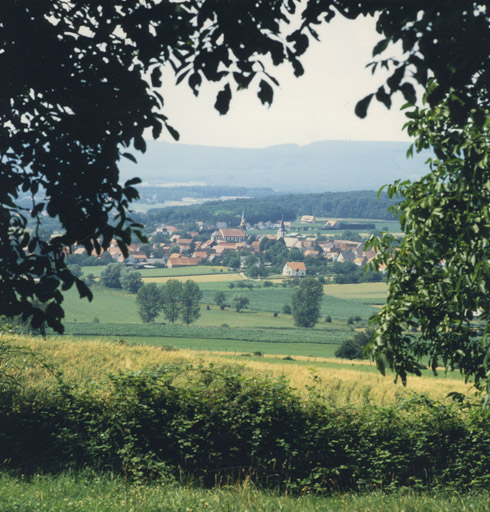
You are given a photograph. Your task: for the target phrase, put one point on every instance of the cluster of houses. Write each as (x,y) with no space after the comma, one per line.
(184,249)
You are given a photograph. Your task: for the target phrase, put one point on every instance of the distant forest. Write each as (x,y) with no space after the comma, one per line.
(160,194)
(359,205)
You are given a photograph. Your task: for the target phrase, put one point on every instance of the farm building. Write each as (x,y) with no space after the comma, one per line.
(294,268)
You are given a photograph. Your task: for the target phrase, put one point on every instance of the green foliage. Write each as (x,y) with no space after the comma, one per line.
(354,348)
(255,334)
(172,296)
(286,309)
(220,300)
(75,269)
(149,301)
(217,425)
(438,274)
(349,272)
(89,280)
(305,302)
(111,275)
(239,301)
(87,491)
(191,295)
(130,281)
(360,204)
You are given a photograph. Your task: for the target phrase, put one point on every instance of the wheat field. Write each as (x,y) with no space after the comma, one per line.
(92,360)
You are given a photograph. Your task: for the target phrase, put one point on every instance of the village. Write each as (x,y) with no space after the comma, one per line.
(245,247)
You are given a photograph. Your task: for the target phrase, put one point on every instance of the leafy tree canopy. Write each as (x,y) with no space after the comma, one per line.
(149,302)
(305,302)
(79,87)
(190,308)
(239,301)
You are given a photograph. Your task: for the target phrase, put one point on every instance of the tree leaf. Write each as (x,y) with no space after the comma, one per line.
(223,99)
(265,93)
(129,156)
(173,132)
(363,105)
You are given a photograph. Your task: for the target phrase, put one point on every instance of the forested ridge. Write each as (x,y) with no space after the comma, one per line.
(360,205)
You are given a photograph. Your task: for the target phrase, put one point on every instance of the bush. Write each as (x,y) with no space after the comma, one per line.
(354,348)
(218,425)
(286,309)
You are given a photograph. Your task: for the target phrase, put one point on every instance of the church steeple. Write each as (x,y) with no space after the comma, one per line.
(281,232)
(242,221)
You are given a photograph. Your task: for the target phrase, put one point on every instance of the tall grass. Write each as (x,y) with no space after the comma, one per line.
(91,492)
(339,384)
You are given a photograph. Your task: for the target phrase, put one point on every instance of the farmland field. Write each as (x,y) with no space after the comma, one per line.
(263,327)
(342,381)
(165,272)
(198,278)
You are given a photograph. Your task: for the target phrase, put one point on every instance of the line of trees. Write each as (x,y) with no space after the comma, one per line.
(174,299)
(360,204)
(117,275)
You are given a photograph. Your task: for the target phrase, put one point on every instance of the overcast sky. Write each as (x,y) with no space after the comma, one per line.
(318,106)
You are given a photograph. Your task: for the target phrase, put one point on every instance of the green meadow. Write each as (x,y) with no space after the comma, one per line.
(91,492)
(262,327)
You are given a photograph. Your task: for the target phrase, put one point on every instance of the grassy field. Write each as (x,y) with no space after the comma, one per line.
(92,492)
(342,382)
(262,328)
(198,278)
(165,272)
(366,293)
(86,364)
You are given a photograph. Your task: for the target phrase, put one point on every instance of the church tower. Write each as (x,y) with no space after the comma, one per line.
(243,225)
(281,232)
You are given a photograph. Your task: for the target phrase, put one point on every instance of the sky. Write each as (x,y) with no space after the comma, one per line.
(315,107)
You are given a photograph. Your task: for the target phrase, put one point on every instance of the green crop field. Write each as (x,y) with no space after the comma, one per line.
(342,302)
(237,347)
(273,299)
(165,272)
(262,327)
(367,293)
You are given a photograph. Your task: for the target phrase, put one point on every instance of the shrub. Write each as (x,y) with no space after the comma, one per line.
(354,348)
(217,425)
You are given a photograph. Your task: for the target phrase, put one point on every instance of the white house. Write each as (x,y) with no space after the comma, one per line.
(294,268)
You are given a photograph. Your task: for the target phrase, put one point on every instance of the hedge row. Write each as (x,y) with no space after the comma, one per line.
(216,425)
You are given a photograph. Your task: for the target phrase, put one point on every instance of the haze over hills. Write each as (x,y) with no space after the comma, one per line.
(321,166)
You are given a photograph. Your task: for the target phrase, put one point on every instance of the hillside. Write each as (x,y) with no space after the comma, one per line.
(321,166)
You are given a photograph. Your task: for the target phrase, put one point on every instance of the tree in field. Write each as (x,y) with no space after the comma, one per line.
(110,277)
(81,87)
(190,297)
(239,301)
(354,348)
(305,302)
(149,302)
(172,296)
(220,300)
(130,281)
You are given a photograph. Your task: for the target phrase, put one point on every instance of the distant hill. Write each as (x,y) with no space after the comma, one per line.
(322,166)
